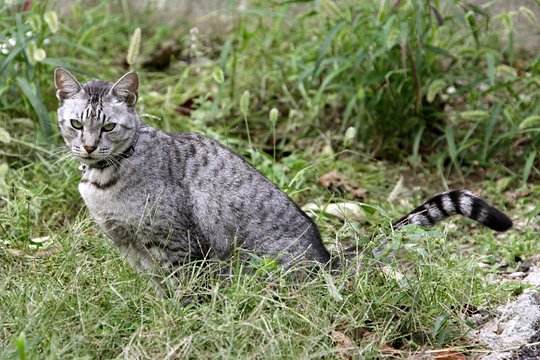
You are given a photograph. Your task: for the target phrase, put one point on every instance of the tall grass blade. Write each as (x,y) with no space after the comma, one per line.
(415,159)
(14,52)
(488,133)
(451,142)
(326,46)
(528,168)
(41,112)
(20,344)
(58,62)
(490,61)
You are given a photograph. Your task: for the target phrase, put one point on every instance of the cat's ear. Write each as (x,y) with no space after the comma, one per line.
(126,88)
(65,83)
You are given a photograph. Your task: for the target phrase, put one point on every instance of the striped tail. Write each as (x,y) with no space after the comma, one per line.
(456,202)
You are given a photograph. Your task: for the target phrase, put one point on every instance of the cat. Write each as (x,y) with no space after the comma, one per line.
(167,199)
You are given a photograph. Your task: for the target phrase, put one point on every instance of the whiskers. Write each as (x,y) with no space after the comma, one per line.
(60,156)
(111,160)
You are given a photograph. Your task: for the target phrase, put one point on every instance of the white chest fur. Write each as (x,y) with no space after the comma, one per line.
(99,189)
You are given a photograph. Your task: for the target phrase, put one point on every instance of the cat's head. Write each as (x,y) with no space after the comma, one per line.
(97,119)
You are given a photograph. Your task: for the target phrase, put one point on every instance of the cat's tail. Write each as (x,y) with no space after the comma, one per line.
(456,202)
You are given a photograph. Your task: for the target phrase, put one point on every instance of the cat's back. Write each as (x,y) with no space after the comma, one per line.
(207,164)
(234,202)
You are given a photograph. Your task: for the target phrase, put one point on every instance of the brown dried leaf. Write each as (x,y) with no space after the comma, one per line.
(368,338)
(342,342)
(15,252)
(47,252)
(331,180)
(336,182)
(514,195)
(448,355)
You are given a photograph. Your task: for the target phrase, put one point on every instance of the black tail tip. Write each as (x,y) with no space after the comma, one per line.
(498,221)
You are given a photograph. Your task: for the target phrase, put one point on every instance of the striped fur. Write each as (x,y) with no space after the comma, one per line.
(456,202)
(166,199)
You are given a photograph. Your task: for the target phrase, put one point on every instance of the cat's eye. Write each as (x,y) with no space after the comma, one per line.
(76,124)
(108,127)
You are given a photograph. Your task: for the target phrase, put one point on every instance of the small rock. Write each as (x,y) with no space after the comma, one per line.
(533,278)
(506,355)
(342,210)
(516,275)
(515,324)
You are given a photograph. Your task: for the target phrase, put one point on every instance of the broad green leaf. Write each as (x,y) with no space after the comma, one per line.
(440,328)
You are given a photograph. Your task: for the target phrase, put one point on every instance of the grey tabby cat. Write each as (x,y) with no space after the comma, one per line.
(166,199)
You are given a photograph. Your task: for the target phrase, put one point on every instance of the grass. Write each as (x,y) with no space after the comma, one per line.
(86,301)
(74,296)
(66,293)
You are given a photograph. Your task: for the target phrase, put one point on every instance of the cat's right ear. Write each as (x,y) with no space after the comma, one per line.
(126,88)
(65,83)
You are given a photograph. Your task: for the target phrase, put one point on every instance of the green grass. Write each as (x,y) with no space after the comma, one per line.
(82,299)
(85,301)
(66,293)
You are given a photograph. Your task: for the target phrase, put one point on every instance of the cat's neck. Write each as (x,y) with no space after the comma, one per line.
(94,178)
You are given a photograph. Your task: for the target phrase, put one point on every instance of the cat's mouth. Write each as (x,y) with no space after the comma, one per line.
(95,156)
(90,159)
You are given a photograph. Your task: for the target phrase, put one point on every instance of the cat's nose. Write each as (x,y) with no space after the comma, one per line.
(89,149)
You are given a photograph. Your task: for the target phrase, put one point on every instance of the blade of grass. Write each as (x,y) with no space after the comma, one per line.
(326,45)
(488,132)
(528,168)
(415,159)
(451,142)
(490,61)
(41,112)
(12,54)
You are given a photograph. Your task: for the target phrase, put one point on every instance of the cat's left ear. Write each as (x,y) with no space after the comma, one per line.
(126,88)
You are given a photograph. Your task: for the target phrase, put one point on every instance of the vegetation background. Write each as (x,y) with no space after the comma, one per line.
(396,100)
